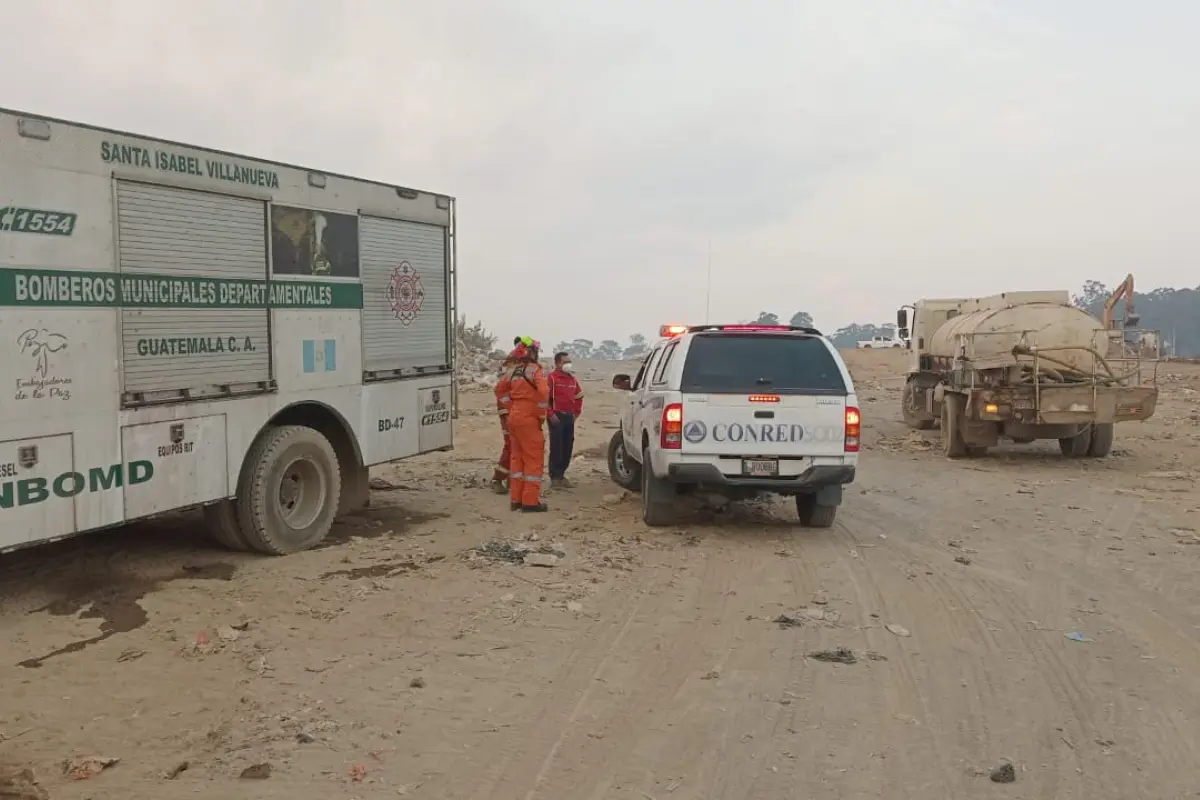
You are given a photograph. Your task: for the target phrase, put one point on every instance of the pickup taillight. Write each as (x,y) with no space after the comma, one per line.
(853,429)
(671,435)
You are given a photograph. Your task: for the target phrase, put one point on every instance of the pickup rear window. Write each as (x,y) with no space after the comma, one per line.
(743,363)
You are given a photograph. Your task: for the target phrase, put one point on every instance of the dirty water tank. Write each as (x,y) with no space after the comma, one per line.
(1043,325)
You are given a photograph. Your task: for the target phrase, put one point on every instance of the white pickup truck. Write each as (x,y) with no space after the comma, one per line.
(187,327)
(738,410)
(877,342)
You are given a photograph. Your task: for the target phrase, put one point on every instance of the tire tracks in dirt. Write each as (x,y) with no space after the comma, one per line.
(578,742)
(1084,685)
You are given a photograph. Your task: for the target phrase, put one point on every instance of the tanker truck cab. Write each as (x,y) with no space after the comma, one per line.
(1021,366)
(739,411)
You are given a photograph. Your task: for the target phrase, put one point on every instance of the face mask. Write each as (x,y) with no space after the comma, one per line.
(568,367)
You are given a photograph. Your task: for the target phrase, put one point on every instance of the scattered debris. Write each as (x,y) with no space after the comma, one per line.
(540,559)
(574,606)
(84,767)
(21,785)
(502,551)
(417,683)
(520,553)
(899,630)
(256,772)
(358,773)
(966,562)
(304,737)
(873,656)
(840,655)
(784,621)
(131,654)
(711,675)
(1077,636)
(228,633)
(1005,773)
(177,770)
(384,485)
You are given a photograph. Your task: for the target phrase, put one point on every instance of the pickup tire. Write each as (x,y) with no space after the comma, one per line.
(1103,434)
(624,471)
(953,410)
(1076,446)
(813,515)
(221,522)
(289,492)
(658,495)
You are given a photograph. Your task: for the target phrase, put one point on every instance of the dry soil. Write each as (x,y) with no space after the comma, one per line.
(1017,609)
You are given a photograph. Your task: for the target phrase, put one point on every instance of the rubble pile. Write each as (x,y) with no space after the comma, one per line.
(475,369)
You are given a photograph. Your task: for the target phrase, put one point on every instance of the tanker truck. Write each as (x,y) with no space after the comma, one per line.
(1020,365)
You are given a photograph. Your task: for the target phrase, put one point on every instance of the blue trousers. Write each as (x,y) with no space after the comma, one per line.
(562,442)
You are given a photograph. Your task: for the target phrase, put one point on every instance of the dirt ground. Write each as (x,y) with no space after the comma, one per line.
(1015,609)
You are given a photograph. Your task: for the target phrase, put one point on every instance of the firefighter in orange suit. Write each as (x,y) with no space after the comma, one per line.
(503,404)
(530,393)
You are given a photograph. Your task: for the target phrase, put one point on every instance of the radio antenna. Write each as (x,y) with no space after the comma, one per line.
(708,286)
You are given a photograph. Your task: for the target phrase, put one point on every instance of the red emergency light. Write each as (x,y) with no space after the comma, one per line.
(668,331)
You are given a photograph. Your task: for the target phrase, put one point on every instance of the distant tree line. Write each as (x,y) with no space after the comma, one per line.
(843,338)
(1173,312)
(606,349)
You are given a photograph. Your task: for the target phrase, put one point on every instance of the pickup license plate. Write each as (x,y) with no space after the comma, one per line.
(760,467)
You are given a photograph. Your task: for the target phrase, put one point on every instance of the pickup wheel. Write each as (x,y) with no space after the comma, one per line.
(624,471)
(1077,446)
(813,515)
(290,488)
(1102,440)
(221,522)
(658,495)
(953,410)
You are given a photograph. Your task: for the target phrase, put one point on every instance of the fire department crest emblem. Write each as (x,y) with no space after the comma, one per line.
(405,294)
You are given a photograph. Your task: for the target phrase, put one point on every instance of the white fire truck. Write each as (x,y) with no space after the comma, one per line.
(183,327)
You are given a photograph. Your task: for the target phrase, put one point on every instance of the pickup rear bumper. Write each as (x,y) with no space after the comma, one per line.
(707,475)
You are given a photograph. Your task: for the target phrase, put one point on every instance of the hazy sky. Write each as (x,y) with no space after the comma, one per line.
(843,157)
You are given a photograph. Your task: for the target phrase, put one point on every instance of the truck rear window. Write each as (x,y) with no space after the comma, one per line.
(748,363)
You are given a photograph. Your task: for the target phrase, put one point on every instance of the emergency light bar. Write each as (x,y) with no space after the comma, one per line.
(669,331)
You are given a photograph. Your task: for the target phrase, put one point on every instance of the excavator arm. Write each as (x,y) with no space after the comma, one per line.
(1125,290)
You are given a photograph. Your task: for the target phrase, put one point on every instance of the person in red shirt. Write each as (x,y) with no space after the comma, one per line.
(566,404)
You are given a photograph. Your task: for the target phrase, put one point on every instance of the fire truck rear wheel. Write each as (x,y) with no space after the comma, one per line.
(289,492)
(221,520)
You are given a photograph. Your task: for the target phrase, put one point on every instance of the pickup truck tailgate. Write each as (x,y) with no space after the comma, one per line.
(764,425)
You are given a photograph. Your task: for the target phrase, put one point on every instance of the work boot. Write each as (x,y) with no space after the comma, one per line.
(499,487)
(540,507)
(558,483)
(514,506)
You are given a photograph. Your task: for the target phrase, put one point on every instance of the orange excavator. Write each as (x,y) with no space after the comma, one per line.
(1125,291)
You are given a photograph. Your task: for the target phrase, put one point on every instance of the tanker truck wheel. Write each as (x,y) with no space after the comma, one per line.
(915,416)
(954,407)
(290,488)
(1077,446)
(1102,440)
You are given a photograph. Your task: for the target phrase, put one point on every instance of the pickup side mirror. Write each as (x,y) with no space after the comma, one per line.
(622,382)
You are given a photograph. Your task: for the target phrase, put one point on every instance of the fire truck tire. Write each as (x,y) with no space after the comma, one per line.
(290,488)
(221,521)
